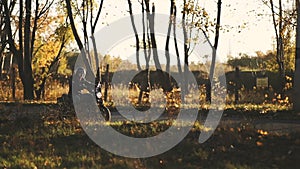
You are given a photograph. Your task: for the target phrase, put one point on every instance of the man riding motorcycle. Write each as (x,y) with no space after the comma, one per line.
(79,84)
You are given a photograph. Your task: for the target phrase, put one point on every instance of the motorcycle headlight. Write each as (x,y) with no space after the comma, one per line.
(99,95)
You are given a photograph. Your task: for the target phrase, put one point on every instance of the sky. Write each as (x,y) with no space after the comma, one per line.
(249,31)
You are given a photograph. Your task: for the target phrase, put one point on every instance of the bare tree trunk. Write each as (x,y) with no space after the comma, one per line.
(145,84)
(28,82)
(147,56)
(213,61)
(19,53)
(279,44)
(175,42)
(136,37)
(93,27)
(85,15)
(153,39)
(167,53)
(185,47)
(148,37)
(33,33)
(281,51)
(296,99)
(27,34)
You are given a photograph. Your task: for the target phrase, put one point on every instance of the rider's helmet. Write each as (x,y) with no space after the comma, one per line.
(80,72)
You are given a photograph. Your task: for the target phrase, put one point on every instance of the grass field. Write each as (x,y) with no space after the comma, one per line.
(40,136)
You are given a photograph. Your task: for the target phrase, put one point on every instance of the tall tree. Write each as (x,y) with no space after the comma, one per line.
(23,53)
(196,18)
(279,33)
(296,99)
(31,26)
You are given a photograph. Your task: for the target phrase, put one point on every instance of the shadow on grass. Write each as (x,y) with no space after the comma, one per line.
(59,142)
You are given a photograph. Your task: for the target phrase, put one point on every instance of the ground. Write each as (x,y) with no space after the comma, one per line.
(41,136)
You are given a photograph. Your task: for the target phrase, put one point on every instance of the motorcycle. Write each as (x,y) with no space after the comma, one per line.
(65,101)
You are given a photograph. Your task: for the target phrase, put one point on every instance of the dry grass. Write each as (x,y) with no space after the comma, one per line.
(49,138)
(53,90)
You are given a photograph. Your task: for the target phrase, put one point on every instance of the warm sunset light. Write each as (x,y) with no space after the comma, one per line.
(146,84)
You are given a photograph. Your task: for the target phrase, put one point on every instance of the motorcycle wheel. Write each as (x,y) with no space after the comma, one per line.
(105,113)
